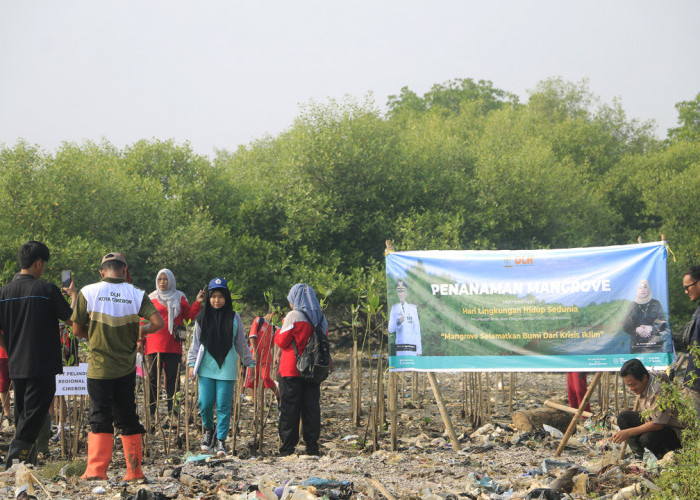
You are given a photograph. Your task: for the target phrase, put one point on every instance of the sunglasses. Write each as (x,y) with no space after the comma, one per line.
(685,287)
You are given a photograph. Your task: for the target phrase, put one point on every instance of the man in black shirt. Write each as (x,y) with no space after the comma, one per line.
(29,312)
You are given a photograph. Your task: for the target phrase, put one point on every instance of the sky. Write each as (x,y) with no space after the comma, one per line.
(219,74)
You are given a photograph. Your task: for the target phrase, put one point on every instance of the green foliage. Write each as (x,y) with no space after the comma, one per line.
(681,479)
(689,120)
(464,166)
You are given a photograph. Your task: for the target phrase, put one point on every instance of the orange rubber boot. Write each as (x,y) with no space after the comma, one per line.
(133,454)
(99,455)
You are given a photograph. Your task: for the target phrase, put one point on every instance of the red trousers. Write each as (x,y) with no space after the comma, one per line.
(576,388)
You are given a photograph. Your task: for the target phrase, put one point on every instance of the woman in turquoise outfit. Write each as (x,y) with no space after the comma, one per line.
(218,342)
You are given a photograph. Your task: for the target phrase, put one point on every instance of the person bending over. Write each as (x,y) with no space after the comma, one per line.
(660,432)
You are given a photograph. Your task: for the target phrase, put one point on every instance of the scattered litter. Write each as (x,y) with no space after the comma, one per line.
(544,494)
(201,458)
(554,432)
(339,490)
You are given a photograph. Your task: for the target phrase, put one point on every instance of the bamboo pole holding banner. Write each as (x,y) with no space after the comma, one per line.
(393,412)
(443,412)
(574,421)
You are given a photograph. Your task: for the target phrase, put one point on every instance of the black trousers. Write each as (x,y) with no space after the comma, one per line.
(113,404)
(299,399)
(33,398)
(169,361)
(658,442)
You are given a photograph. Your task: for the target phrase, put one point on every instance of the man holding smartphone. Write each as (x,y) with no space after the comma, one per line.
(29,312)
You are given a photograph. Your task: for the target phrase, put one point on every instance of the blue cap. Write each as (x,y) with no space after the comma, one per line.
(218,283)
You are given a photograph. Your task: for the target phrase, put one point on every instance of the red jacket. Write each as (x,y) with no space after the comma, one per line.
(294,327)
(162,340)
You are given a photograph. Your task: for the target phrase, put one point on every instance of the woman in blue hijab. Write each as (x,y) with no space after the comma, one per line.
(299,398)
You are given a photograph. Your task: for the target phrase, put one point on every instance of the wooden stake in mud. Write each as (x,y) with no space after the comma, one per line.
(574,421)
(623,449)
(566,409)
(355,384)
(414,387)
(187,409)
(62,425)
(381,406)
(393,412)
(76,434)
(488,396)
(146,399)
(157,392)
(443,412)
(512,390)
(237,405)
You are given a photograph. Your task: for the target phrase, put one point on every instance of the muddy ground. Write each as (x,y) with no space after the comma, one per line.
(496,461)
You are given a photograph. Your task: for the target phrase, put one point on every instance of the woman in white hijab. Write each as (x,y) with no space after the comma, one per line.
(164,344)
(645,322)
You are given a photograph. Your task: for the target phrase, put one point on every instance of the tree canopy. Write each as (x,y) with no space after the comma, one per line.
(465,166)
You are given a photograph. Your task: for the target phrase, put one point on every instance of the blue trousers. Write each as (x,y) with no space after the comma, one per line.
(220,392)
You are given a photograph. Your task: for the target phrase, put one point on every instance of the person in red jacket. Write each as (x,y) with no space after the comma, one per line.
(172,305)
(299,398)
(260,337)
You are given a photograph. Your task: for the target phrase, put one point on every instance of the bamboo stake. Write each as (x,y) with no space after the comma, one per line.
(567,409)
(623,449)
(146,398)
(382,489)
(236,406)
(480,400)
(267,414)
(512,389)
(259,390)
(617,402)
(156,396)
(187,412)
(464,395)
(414,387)
(173,423)
(577,416)
(381,404)
(443,412)
(353,368)
(488,397)
(76,434)
(472,399)
(61,423)
(359,377)
(393,412)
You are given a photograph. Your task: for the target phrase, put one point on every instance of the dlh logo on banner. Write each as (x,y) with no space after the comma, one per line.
(583,309)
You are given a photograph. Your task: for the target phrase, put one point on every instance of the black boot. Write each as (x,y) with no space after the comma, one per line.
(42,440)
(636,447)
(20,451)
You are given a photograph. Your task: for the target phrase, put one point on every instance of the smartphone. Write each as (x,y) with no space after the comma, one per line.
(66,278)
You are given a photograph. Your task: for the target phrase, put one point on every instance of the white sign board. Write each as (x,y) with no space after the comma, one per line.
(73,381)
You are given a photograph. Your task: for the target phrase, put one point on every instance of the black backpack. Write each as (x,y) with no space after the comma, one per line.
(314,363)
